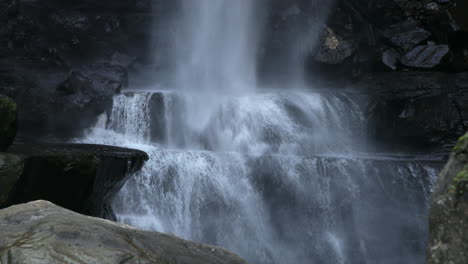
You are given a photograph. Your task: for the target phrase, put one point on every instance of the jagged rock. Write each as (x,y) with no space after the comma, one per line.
(80,177)
(406,34)
(448,242)
(428,56)
(11,168)
(334,49)
(8,122)
(43,233)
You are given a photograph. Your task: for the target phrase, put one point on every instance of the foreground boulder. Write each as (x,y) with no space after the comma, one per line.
(80,177)
(41,232)
(8,119)
(448,242)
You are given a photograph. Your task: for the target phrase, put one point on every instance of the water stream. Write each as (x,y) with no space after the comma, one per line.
(275,175)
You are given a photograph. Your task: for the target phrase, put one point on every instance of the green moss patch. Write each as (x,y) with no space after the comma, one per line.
(459,184)
(462,145)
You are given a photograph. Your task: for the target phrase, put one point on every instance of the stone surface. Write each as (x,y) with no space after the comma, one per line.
(448,242)
(428,56)
(11,168)
(8,122)
(43,233)
(80,177)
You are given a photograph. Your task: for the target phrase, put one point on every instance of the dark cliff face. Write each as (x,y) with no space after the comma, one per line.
(63,61)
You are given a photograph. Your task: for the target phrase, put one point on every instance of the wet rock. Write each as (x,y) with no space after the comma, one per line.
(406,35)
(8,122)
(11,168)
(80,177)
(428,56)
(41,232)
(448,241)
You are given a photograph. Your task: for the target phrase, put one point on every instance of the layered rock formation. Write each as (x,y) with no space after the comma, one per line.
(448,242)
(43,233)
(82,178)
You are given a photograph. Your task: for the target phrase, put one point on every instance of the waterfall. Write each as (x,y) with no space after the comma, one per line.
(277,176)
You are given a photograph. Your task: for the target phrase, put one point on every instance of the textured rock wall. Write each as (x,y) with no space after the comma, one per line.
(448,242)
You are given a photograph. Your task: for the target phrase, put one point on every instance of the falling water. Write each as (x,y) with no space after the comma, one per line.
(277,176)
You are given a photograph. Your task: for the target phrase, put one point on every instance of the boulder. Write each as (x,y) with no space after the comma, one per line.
(406,35)
(11,168)
(427,56)
(80,177)
(8,122)
(43,233)
(448,221)
(334,49)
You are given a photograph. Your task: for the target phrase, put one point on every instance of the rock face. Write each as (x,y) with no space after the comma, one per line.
(416,111)
(448,242)
(11,168)
(82,178)
(8,122)
(43,233)
(63,68)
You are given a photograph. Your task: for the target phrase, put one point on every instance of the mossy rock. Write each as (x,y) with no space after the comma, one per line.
(462,146)
(8,122)
(448,220)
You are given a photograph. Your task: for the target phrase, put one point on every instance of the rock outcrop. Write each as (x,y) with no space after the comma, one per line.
(79,177)
(448,223)
(8,122)
(43,233)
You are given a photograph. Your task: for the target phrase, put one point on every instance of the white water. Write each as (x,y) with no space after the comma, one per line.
(277,176)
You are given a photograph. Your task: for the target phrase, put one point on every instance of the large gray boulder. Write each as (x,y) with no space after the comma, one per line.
(43,233)
(8,122)
(448,242)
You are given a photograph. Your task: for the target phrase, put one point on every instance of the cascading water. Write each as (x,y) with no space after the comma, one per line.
(277,176)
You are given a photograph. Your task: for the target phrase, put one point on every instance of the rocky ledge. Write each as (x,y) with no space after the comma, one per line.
(79,177)
(41,232)
(448,242)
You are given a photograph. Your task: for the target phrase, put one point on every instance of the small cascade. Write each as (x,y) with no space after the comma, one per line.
(273,176)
